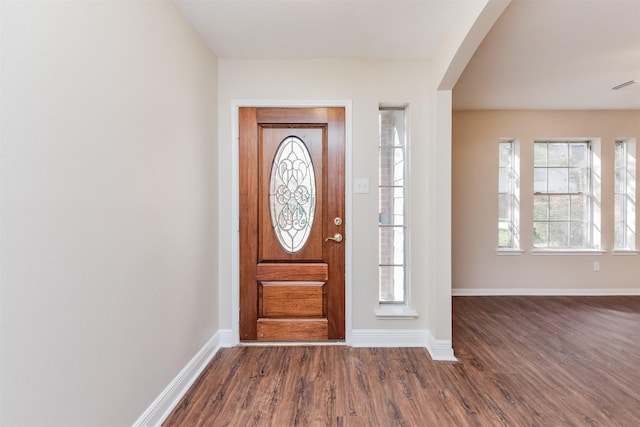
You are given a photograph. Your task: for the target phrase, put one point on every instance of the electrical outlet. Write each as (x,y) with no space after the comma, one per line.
(596,266)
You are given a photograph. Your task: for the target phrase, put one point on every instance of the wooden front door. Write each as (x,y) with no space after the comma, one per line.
(292,255)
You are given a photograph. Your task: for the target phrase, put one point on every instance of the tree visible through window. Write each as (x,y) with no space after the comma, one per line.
(625,195)
(508,195)
(562,194)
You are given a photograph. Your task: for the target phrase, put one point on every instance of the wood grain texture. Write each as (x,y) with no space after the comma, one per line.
(523,361)
(335,252)
(270,248)
(248,222)
(276,299)
(292,271)
(274,115)
(292,329)
(262,130)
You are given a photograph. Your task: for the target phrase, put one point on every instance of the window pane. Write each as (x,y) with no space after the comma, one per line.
(398,207)
(398,166)
(620,155)
(566,178)
(540,154)
(559,234)
(579,211)
(558,180)
(625,192)
(392,127)
(619,206)
(619,234)
(391,209)
(505,154)
(391,245)
(391,166)
(578,180)
(503,181)
(508,193)
(386,245)
(391,205)
(630,238)
(578,155)
(540,180)
(541,234)
(559,208)
(504,207)
(391,283)
(540,208)
(558,154)
(620,181)
(504,234)
(398,245)
(578,235)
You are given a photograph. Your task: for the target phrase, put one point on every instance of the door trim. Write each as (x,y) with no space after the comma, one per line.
(235,205)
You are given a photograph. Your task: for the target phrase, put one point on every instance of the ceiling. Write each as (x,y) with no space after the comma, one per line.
(555,54)
(540,54)
(321,29)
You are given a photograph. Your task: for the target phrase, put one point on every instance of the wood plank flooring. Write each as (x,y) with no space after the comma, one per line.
(523,361)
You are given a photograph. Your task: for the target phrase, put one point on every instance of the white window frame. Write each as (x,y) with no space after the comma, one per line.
(593,244)
(399,309)
(625,188)
(513,193)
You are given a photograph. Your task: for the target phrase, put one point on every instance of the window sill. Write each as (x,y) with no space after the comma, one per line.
(625,252)
(393,311)
(567,251)
(509,251)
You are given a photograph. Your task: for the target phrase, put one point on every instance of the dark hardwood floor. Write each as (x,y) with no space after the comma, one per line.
(523,361)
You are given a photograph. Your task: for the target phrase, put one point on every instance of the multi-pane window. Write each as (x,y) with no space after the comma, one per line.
(391,195)
(562,194)
(625,195)
(508,195)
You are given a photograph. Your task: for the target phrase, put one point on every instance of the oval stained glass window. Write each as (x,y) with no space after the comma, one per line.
(292,194)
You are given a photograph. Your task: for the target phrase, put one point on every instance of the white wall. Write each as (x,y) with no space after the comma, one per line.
(108,219)
(476,266)
(434,235)
(366,83)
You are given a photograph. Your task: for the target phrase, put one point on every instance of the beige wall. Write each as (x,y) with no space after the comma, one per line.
(108,216)
(476,266)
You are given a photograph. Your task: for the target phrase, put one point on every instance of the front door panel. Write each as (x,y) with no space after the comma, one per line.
(291,190)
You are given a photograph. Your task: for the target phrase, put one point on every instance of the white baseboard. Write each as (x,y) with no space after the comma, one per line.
(226,338)
(438,349)
(441,350)
(160,409)
(389,338)
(468,292)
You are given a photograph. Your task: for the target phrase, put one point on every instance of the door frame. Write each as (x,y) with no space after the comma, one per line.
(235,207)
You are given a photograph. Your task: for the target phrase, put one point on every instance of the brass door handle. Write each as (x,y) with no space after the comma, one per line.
(337,238)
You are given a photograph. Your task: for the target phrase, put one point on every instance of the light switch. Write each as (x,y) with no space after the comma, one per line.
(361,185)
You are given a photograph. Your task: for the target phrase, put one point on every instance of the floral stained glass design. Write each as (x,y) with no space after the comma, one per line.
(292,194)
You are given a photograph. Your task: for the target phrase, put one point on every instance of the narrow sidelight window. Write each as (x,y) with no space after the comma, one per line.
(508,195)
(392,205)
(625,195)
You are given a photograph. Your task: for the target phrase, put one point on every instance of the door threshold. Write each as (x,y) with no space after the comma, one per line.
(291,343)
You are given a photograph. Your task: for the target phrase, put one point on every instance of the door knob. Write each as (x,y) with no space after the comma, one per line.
(336,237)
